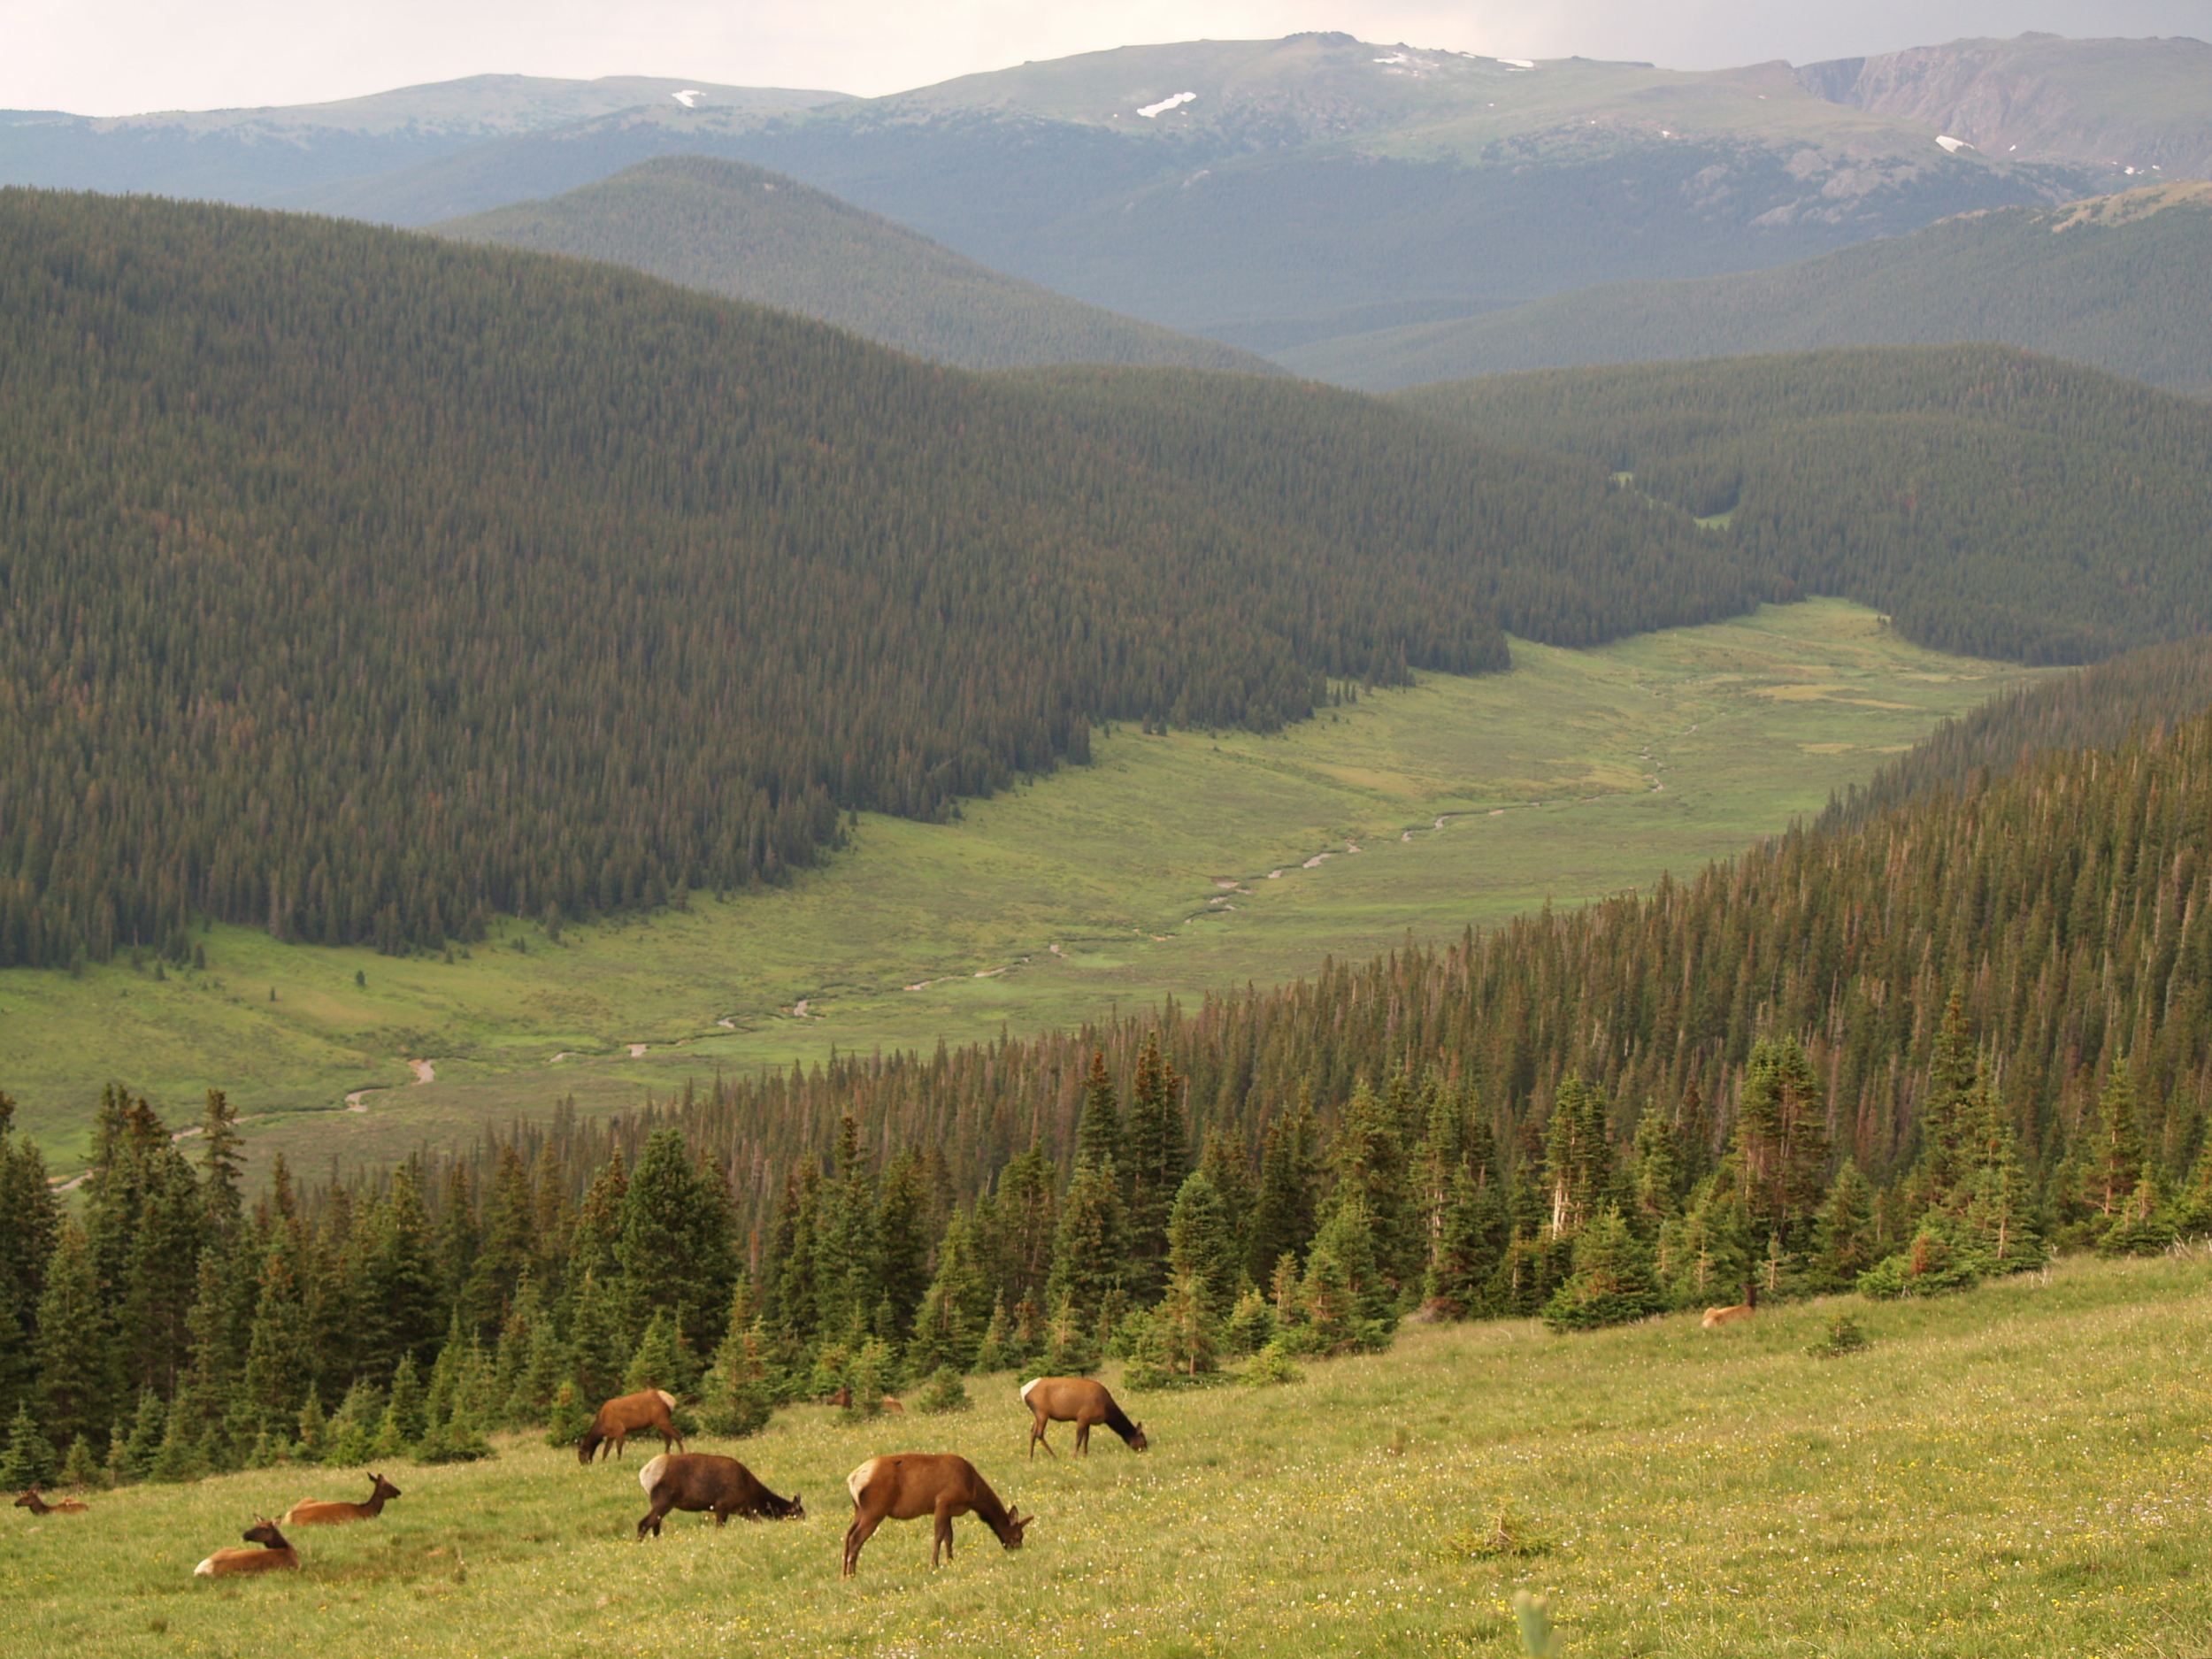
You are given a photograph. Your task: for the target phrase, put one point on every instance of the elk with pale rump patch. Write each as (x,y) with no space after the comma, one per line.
(632,1414)
(704,1481)
(329,1512)
(1080,1401)
(275,1554)
(37,1505)
(1716,1318)
(911,1485)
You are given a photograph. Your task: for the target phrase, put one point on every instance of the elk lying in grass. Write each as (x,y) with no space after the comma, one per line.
(37,1505)
(273,1555)
(914,1483)
(1716,1318)
(632,1414)
(317,1512)
(1080,1401)
(702,1481)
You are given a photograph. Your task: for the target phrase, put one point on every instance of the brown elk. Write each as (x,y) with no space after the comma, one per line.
(914,1483)
(37,1505)
(632,1414)
(702,1481)
(1716,1318)
(273,1555)
(320,1512)
(1080,1401)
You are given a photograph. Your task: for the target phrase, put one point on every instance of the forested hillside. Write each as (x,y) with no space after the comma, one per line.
(1904,1058)
(1994,502)
(2100,707)
(2121,282)
(362,585)
(724,227)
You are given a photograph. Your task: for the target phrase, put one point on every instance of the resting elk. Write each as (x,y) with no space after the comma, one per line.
(632,1414)
(702,1481)
(1716,1318)
(316,1512)
(1080,1401)
(37,1505)
(911,1485)
(274,1555)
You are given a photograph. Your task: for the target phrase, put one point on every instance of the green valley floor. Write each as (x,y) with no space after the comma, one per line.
(1172,866)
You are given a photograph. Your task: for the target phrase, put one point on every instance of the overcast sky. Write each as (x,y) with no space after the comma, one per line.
(122,57)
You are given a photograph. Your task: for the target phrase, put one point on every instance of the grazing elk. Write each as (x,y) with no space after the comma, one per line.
(1080,1401)
(37,1505)
(1716,1318)
(317,1512)
(273,1555)
(632,1414)
(704,1481)
(914,1483)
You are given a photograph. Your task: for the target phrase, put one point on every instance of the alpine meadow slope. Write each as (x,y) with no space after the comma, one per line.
(2121,282)
(727,228)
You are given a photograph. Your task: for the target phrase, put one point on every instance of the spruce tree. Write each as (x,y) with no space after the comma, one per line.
(1290,1177)
(1200,1244)
(401,1312)
(406,1413)
(1781,1140)
(1098,1129)
(279,1360)
(902,1273)
(1027,1218)
(76,1389)
(504,1257)
(946,1328)
(1087,1254)
(1156,1146)
(1612,1281)
(29,1222)
(28,1458)
(662,1358)
(1845,1238)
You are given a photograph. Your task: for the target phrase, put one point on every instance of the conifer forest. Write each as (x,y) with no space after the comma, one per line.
(375,590)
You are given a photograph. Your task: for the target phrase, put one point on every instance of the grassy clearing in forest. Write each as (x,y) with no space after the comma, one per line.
(2023,1470)
(1145,875)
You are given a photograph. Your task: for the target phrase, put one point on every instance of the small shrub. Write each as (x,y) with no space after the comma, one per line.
(1145,1376)
(1271,1366)
(944,1392)
(1252,1324)
(1844,1337)
(570,1418)
(1505,1536)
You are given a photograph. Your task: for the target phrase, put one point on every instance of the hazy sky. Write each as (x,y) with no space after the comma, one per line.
(119,57)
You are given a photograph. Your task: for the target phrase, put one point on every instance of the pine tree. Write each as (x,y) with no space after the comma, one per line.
(1199,1245)
(401,1312)
(1781,1140)
(1290,1176)
(946,1329)
(1027,1222)
(1086,1255)
(1656,1182)
(998,1351)
(80,1468)
(1187,1325)
(406,1414)
(596,1342)
(1156,1145)
(662,1359)
(76,1390)
(1098,1130)
(2115,1166)
(1844,1236)
(1469,1253)
(848,1261)
(903,1275)
(28,1459)
(503,1259)
(133,1458)
(279,1360)
(1578,1157)
(1612,1281)
(29,1223)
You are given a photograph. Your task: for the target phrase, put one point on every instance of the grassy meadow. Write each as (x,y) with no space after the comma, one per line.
(2022,1470)
(1171,866)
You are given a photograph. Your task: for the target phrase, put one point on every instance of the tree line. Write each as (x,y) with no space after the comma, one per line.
(1994,502)
(1901,1056)
(361,586)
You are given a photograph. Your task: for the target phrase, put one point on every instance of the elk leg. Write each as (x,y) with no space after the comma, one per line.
(652,1520)
(944,1535)
(1083,1436)
(856,1535)
(1037,1438)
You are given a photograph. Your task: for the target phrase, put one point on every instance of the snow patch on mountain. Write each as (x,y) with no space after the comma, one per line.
(1153,111)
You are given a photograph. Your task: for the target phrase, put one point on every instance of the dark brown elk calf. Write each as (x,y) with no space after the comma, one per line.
(1080,1401)
(704,1481)
(37,1505)
(273,1555)
(326,1512)
(914,1483)
(632,1414)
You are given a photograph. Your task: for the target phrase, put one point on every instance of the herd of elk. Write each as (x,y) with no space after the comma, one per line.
(1716,1318)
(37,1505)
(632,1414)
(1080,1401)
(914,1483)
(702,1481)
(314,1512)
(273,1555)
